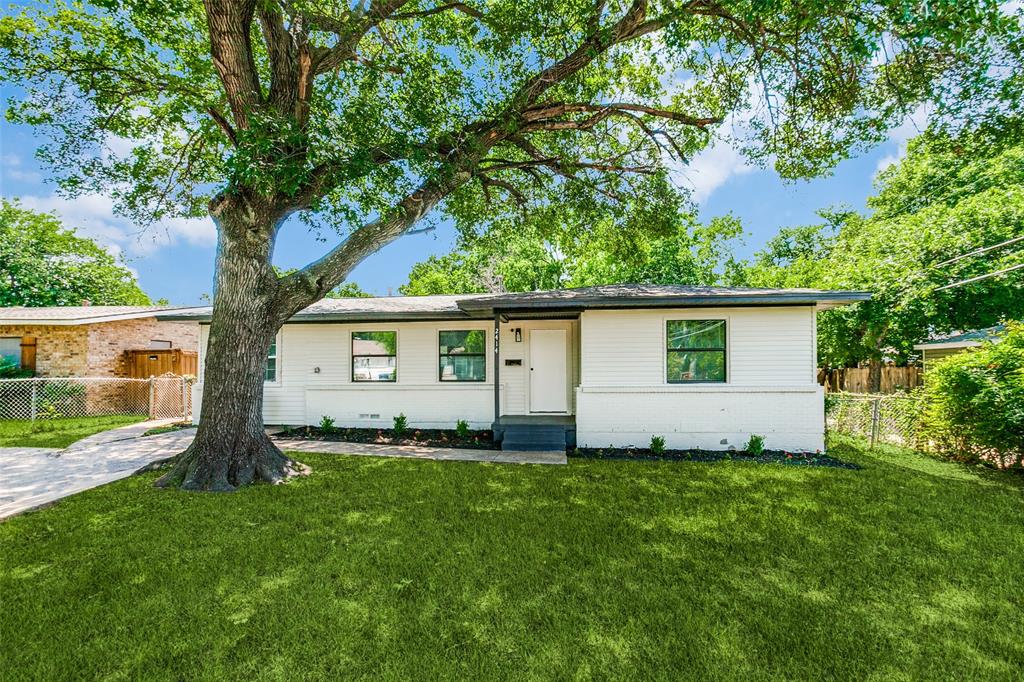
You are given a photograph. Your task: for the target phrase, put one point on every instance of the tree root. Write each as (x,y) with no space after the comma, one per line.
(221,467)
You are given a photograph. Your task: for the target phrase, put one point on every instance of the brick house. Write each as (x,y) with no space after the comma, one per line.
(88,341)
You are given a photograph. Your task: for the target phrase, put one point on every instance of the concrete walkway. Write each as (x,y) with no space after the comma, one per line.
(36,476)
(423,452)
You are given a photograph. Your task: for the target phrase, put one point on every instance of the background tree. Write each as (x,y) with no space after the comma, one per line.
(950,196)
(366,116)
(44,263)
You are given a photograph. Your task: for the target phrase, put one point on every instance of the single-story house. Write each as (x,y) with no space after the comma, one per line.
(88,340)
(704,367)
(942,346)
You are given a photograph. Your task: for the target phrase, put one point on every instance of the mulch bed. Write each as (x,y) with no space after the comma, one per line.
(435,438)
(814,459)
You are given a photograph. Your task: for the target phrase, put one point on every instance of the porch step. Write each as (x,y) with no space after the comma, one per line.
(536,437)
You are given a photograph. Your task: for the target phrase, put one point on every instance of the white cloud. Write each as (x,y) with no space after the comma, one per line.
(712,168)
(913,125)
(1011,7)
(12,169)
(92,216)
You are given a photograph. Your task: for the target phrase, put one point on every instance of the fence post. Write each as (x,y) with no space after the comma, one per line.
(184,400)
(35,395)
(152,406)
(874,421)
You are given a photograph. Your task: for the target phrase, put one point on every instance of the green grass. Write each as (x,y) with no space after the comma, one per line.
(56,433)
(169,428)
(403,569)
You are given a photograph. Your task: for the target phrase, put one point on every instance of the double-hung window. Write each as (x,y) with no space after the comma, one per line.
(695,351)
(462,355)
(374,356)
(270,370)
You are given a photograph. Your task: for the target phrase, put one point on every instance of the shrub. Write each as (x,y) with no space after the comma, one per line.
(401,425)
(657,445)
(326,424)
(974,402)
(462,428)
(755,445)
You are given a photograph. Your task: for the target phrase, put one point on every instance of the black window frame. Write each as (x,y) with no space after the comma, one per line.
(440,355)
(724,350)
(353,356)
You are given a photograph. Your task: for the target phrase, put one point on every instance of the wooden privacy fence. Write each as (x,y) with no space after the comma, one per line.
(142,364)
(857,379)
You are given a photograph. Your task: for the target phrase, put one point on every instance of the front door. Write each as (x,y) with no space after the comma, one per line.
(548,371)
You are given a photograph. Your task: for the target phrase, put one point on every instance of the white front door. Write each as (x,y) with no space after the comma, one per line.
(548,375)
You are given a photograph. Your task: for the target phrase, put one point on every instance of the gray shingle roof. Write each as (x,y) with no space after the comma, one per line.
(963,339)
(87,314)
(607,296)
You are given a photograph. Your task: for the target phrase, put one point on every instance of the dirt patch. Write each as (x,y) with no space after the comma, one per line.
(815,459)
(435,438)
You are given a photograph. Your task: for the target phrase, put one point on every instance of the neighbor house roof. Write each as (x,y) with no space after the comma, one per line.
(962,339)
(549,302)
(81,314)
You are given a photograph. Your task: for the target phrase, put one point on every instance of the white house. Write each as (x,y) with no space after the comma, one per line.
(704,367)
(943,346)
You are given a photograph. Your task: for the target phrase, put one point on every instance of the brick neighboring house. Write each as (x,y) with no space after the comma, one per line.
(88,341)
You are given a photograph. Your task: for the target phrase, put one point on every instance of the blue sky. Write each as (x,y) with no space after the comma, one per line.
(175,261)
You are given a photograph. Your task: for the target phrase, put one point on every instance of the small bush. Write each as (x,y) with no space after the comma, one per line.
(401,425)
(755,445)
(657,445)
(326,424)
(462,428)
(974,402)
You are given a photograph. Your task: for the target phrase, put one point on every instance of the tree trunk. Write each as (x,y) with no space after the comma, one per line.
(231,448)
(874,375)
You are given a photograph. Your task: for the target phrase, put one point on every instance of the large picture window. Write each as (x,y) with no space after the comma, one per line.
(462,355)
(696,351)
(374,356)
(270,371)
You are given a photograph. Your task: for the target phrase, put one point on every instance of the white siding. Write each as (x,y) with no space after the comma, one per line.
(624,397)
(302,395)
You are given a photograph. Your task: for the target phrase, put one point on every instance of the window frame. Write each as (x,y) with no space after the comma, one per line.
(276,344)
(441,355)
(352,356)
(724,350)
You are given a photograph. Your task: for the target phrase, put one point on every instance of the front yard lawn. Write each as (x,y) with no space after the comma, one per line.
(56,433)
(405,569)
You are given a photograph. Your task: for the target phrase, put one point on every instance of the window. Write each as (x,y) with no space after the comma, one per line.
(10,351)
(462,356)
(159,344)
(270,371)
(696,351)
(374,356)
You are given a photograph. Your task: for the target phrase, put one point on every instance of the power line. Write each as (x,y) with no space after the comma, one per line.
(1018,266)
(978,252)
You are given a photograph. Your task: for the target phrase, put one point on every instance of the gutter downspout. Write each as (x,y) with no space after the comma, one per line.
(495,428)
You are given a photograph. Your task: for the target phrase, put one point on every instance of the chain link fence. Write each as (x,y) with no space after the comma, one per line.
(165,397)
(880,419)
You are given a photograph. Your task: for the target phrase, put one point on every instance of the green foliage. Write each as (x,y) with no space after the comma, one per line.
(401,96)
(974,401)
(401,425)
(754,446)
(657,446)
(462,428)
(43,263)
(10,369)
(326,424)
(949,196)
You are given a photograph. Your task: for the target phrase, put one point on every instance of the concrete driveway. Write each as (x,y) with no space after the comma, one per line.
(36,476)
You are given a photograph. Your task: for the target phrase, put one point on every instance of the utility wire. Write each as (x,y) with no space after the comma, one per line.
(978,252)
(1018,266)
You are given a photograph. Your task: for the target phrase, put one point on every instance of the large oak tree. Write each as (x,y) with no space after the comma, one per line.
(366,116)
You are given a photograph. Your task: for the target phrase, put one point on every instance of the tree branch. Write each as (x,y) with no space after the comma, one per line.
(230,25)
(451,6)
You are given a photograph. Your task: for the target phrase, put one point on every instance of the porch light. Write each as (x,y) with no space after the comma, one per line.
(519,335)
